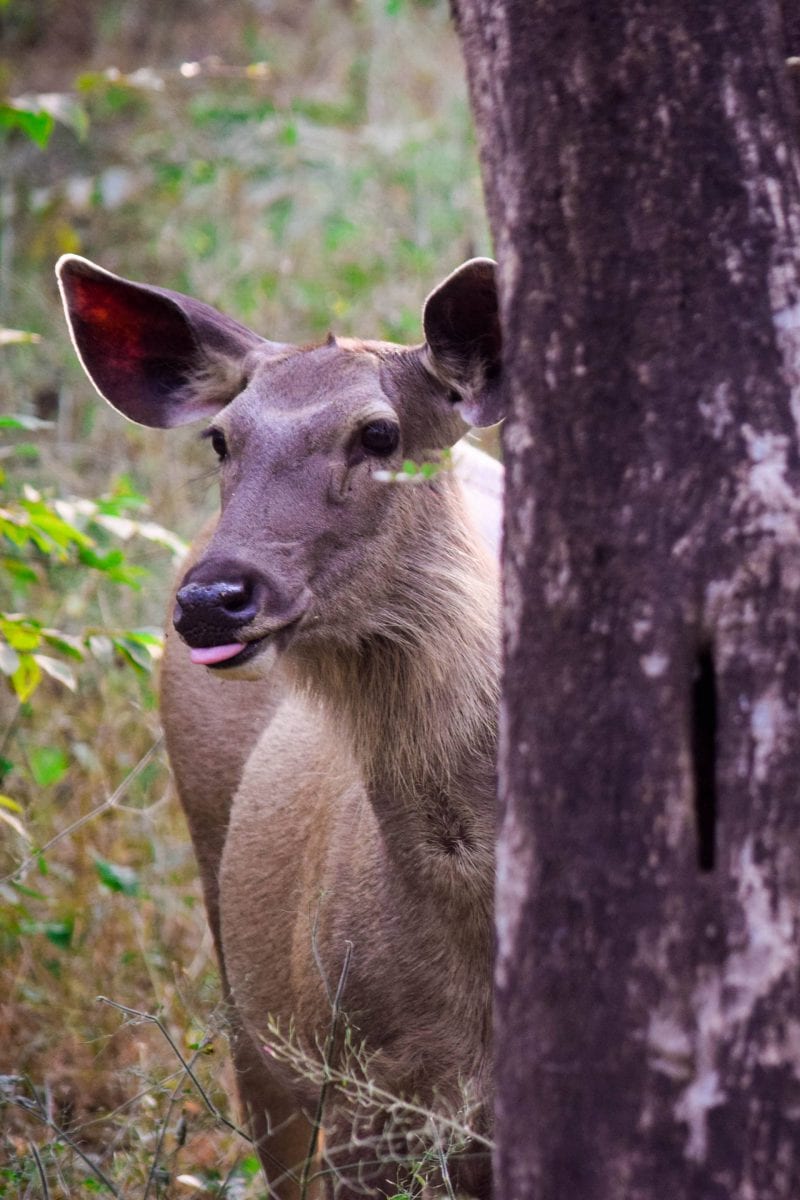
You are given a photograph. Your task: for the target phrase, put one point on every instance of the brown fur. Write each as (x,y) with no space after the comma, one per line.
(364,811)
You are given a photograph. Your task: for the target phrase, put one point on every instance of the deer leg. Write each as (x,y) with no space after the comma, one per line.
(281,1133)
(362,1157)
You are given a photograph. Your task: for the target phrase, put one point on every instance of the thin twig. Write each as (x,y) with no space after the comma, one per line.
(401,1160)
(138,1015)
(40,1169)
(112,802)
(445,1170)
(35,1110)
(336,1013)
(316,954)
(164,1124)
(108,1116)
(364,1091)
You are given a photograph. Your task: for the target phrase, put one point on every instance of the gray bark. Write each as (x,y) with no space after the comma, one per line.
(641,172)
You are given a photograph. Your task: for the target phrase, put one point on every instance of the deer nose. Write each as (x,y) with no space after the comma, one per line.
(208,614)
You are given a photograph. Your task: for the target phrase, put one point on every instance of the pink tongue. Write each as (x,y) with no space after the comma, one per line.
(207,655)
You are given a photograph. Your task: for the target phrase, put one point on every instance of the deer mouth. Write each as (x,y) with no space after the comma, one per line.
(235,654)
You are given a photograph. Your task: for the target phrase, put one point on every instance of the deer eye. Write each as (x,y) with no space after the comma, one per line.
(218,443)
(381,438)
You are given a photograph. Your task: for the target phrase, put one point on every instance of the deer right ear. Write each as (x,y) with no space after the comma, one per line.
(464,343)
(160,358)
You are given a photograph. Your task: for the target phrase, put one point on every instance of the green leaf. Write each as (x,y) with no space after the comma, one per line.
(22,572)
(114,566)
(119,504)
(116,877)
(147,637)
(64,107)
(20,632)
(136,649)
(22,420)
(121,527)
(8,818)
(57,670)
(288,135)
(29,892)
(13,805)
(18,337)
(100,645)
(62,532)
(48,765)
(38,126)
(63,642)
(27,677)
(27,450)
(58,932)
(250,1167)
(163,537)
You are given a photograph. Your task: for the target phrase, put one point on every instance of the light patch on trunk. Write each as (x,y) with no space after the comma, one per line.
(522,524)
(654,665)
(768,196)
(770,723)
(559,592)
(669,1045)
(724,1001)
(515,872)
(553,353)
(717,409)
(772,504)
(787,319)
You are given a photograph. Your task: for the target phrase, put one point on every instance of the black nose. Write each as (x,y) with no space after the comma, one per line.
(210,614)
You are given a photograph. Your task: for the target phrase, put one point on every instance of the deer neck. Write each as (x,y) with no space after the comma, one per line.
(417,696)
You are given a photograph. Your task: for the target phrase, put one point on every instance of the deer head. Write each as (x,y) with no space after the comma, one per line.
(311,533)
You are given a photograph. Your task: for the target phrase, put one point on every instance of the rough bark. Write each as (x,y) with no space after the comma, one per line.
(641,171)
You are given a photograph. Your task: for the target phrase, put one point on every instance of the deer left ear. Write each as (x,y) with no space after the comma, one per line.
(158,357)
(464,344)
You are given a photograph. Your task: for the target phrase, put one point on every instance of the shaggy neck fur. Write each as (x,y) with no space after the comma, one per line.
(418,694)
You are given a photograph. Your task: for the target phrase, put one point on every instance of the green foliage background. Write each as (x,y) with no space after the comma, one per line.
(303,167)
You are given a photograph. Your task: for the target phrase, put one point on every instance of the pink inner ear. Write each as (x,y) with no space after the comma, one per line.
(142,346)
(130,324)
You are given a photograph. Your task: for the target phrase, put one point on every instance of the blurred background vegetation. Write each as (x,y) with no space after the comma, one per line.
(303,167)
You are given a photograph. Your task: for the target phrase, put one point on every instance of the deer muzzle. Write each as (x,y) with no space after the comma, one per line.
(226,612)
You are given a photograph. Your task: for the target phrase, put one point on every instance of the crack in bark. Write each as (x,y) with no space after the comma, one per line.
(704,756)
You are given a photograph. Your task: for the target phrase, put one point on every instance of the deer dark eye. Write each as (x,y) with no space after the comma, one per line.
(380,437)
(217,439)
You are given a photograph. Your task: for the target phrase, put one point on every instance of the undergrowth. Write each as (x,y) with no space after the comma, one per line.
(301,167)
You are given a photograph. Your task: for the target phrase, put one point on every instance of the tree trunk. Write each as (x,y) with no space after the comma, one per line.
(641,173)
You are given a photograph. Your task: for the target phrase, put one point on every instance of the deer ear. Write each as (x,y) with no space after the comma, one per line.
(158,357)
(464,344)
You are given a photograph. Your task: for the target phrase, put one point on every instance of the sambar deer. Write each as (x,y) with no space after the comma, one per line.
(329,696)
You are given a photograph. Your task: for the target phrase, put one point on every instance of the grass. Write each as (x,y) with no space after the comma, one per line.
(330,187)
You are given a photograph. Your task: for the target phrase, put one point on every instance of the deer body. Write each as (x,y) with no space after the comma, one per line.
(329,699)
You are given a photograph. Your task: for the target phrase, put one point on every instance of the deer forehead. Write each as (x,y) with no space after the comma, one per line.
(328,389)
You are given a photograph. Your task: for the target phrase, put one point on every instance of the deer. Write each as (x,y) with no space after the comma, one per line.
(329,697)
